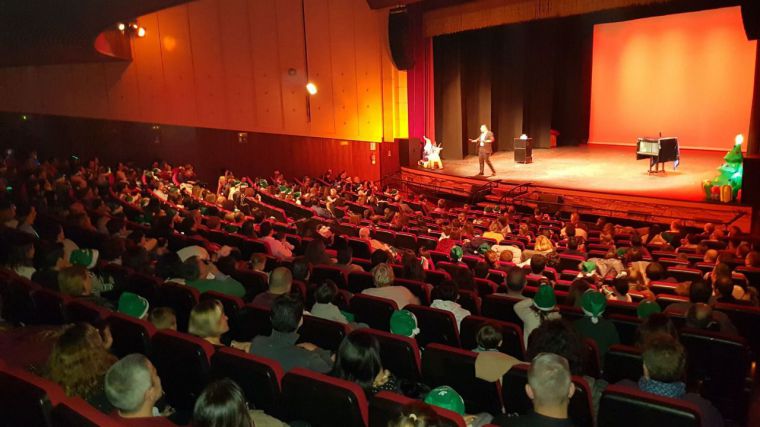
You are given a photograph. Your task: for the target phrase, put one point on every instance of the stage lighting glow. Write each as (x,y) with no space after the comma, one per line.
(739,140)
(141,32)
(121,26)
(311,88)
(524,137)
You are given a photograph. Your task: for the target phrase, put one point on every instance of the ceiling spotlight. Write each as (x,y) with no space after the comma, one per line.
(311,88)
(141,32)
(121,26)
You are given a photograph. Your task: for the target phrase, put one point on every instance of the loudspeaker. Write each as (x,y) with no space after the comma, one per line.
(409,151)
(523,150)
(751,180)
(751,18)
(398,38)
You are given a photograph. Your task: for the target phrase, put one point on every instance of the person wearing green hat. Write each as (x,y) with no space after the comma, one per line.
(133,305)
(602,331)
(456,254)
(647,308)
(404,322)
(447,398)
(533,311)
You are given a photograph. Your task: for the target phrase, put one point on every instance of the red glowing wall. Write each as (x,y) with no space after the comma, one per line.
(688,75)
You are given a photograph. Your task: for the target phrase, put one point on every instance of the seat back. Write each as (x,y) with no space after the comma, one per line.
(180,298)
(436,326)
(321,400)
(359,281)
(399,354)
(182,362)
(254,282)
(75,412)
(683,274)
(359,247)
(627,327)
(444,365)
(747,322)
(622,406)
(375,312)
(322,333)
(258,377)
(385,407)
(593,366)
(18,305)
(26,399)
(720,364)
(130,335)
(569,262)
(321,272)
(621,307)
(470,301)
(251,321)
(406,241)
(501,307)
(421,290)
(516,401)
(83,311)
(49,306)
(512,342)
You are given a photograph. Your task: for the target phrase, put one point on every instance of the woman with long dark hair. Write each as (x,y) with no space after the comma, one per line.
(358,360)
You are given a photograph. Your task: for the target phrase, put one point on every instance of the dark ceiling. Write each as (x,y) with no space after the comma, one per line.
(36,32)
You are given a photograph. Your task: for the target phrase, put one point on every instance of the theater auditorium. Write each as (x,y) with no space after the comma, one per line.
(379,213)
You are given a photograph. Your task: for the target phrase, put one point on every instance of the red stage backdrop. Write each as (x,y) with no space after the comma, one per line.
(688,75)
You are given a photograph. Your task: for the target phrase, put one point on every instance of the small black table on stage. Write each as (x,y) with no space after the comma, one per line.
(523,150)
(658,151)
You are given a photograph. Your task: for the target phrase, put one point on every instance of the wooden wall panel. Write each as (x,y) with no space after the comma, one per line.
(177,60)
(368,71)
(290,40)
(343,53)
(224,64)
(264,41)
(150,72)
(239,77)
(318,31)
(206,45)
(122,90)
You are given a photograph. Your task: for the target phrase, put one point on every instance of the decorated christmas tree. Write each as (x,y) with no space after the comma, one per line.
(726,186)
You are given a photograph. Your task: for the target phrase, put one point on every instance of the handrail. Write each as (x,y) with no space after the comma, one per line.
(522,189)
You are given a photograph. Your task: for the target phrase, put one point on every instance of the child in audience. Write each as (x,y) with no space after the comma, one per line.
(445,298)
(163,318)
(324,307)
(491,364)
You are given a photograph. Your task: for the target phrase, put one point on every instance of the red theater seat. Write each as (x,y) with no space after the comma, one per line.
(399,354)
(628,407)
(516,401)
(75,412)
(49,306)
(436,326)
(375,312)
(26,399)
(501,307)
(259,377)
(251,321)
(321,272)
(444,365)
(622,362)
(421,290)
(182,362)
(359,281)
(321,400)
(254,282)
(84,311)
(18,306)
(130,335)
(385,407)
(181,298)
(322,333)
(512,338)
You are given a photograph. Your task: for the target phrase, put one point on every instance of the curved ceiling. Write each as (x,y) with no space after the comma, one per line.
(40,32)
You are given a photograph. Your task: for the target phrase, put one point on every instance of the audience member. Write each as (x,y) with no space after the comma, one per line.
(383,277)
(534,311)
(133,387)
(323,307)
(602,331)
(280,283)
(491,364)
(208,321)
(287,317)
(417,414)
(664,368)
(279,248)
(652,326)
(700,293)
(358,361)
(163,318)
(223,404)
(445,297)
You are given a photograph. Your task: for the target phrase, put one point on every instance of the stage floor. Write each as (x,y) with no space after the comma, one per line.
(602,168)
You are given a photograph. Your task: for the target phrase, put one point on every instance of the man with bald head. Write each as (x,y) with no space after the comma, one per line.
(280,282)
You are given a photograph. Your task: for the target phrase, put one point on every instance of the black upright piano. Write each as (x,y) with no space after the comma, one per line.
(658,151)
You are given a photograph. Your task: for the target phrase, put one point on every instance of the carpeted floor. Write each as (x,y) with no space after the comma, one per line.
(603,168)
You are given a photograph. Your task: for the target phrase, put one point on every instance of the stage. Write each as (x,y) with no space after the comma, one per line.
(607,169)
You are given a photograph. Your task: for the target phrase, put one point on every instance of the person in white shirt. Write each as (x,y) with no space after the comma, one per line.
(383,277)
(280,249)
(446,296)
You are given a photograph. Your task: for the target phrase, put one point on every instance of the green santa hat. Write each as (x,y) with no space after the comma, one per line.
(133,305)
(483,248)
(456,254)
(593,304)
(545,300)
(447,398)
(87,258)
(647,308)
(404,322)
